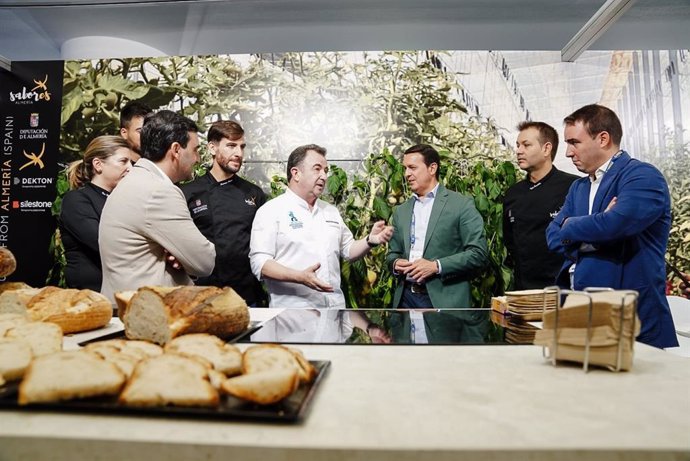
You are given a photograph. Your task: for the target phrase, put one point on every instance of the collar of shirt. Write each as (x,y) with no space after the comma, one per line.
(213,181)
(431,194)
(299,201)
(604,168)
(98,189)
(225,182)
(600,172)
(533,185)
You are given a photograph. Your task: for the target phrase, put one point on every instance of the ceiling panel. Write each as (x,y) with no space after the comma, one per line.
(34,29)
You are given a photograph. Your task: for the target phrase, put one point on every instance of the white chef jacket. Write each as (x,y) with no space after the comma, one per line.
(286,231)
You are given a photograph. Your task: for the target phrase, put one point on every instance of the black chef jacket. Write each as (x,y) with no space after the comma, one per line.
(224,211)
(79,218)
(528,208)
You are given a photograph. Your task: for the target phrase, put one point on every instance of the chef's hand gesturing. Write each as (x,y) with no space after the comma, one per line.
(310,279)
(380,233)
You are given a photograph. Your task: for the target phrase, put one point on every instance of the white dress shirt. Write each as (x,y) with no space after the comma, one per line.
(595,182)
(287,231)
(421,213)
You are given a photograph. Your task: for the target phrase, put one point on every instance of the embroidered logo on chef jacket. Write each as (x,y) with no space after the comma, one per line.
(199,207)
(294,222)
(251,201)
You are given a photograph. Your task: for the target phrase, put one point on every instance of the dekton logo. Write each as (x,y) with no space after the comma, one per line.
(34,159)
(39,92)
(32,183)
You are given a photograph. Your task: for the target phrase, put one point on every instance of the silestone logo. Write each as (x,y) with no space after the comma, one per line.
(32,205)
(39,92)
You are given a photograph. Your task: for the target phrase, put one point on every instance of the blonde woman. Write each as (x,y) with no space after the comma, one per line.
(106,161)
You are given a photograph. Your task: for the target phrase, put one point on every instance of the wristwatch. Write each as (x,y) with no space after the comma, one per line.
(371,244)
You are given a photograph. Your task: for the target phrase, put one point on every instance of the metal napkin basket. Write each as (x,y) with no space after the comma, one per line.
(628,298)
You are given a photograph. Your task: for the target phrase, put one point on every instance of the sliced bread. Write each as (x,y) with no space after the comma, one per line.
(69,375)
(264,387)
(170,379)
(42,337)
(224,357)
(15,356)
(274,356)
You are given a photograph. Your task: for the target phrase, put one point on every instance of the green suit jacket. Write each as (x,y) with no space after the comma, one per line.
(455,237)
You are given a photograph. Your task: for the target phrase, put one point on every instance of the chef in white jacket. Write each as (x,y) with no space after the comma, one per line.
(297,239)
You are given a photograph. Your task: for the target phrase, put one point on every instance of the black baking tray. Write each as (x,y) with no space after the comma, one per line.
(251,329)
(290,410)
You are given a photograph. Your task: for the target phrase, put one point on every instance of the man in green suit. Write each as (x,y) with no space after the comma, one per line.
(438,242)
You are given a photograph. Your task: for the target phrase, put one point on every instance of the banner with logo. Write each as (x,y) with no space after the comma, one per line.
(30,104)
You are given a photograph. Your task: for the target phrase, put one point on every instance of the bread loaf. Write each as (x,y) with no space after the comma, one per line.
(159,314)
(7,286)
(7,262)
(73,310)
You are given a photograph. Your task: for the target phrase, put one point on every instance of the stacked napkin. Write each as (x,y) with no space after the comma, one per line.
(526,304)
(606,327)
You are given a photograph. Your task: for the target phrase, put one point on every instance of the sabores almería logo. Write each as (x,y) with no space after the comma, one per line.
(37,93)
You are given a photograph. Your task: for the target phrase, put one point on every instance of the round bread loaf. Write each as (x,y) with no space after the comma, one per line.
(7,262)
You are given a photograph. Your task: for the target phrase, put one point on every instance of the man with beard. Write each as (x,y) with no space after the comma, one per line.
(131,121)
(530,205)
(223,206)
(297,239)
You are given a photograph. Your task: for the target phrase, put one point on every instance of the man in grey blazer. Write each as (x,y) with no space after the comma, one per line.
(146,235)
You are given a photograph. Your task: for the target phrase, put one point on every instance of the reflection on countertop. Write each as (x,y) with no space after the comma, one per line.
(394,326)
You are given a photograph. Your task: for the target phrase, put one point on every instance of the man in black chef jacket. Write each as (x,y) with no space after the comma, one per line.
(131,121)
(531,204)
(223,206)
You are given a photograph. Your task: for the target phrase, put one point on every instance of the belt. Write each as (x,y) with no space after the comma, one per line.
(416,287)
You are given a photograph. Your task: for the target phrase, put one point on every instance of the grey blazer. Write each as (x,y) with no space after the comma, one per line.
(143,216)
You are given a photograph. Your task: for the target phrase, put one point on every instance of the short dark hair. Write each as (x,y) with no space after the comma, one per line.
(297,156)
(161,130)
(429,154)
(547,133)
(595,119)
(224,129)
(133,109)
